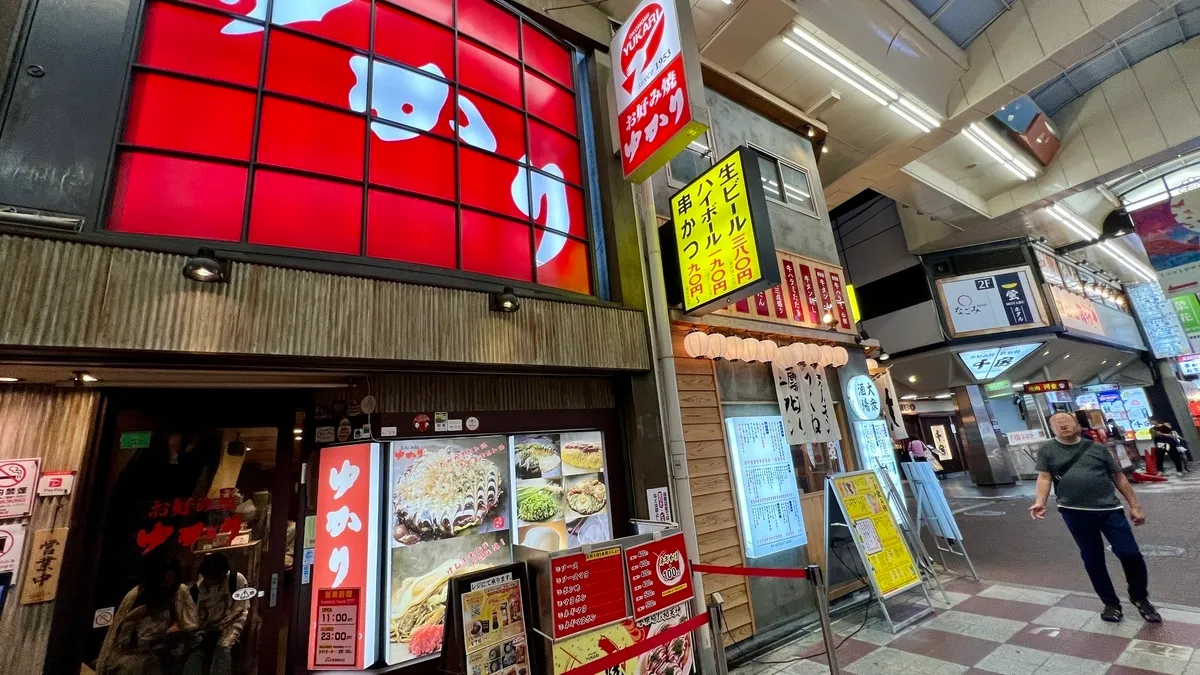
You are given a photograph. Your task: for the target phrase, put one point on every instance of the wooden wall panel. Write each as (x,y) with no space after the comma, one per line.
(63,294)
(718,534)
(55,425)
(414,392)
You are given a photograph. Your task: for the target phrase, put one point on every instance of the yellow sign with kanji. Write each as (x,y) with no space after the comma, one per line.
(722,231)
(878,537)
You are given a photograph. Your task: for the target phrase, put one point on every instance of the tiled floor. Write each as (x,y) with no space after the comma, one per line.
(1006,629)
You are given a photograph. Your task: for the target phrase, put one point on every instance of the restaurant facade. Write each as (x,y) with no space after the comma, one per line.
(272,235)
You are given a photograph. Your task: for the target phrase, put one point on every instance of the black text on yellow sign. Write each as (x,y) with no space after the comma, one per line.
(722,235)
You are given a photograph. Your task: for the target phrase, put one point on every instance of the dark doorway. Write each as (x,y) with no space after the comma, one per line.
(940,433)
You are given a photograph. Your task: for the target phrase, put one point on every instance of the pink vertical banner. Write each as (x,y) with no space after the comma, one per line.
(793,291)
(823,286)
(777,303)
(742,306)
(761,305)
(810,295)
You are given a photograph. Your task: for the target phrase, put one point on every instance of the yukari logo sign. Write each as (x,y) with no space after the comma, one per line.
(640,48)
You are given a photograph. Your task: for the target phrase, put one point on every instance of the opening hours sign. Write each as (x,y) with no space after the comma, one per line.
(721,232)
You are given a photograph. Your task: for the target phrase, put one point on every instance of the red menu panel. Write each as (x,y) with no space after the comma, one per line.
(659,575)
(585,591)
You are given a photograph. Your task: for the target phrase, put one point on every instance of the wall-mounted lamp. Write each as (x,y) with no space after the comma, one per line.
(505,301)
(206,267)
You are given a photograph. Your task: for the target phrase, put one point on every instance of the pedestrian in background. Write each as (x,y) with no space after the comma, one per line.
(1166,443)
(1086,480)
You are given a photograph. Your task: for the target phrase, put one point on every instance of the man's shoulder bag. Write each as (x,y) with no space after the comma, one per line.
(1057,476)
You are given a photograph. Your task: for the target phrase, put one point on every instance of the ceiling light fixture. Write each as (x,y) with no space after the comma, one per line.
(910,397)
(991,143)
(883,356)
(505,301)
(205,267)
(8,380)
(1046,353)
(912,378)
(1104,362)
(824,149)
(1118,363)
(1069,218)
(82,377)
(1132,265)
(838,65)
(943,396)
(1066,356)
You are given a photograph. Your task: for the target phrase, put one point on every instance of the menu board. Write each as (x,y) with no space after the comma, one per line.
(459,504)
(493,623)
(889,562)
(337,627)
(588,591)
(672,657)
(765,484)
(877,446)
(659,575)
(1137,407)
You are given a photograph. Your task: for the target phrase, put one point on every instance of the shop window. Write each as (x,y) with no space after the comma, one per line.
(356,98)
(786,183)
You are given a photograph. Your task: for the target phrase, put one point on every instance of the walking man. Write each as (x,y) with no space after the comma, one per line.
(1086,480)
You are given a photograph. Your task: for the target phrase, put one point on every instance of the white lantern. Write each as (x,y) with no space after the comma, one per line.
(826,358)
(749,350)
(811,354)
(767,351)
(784,357)
(872,364)
(841,357)
(715,347)
(695,343)
(733,348)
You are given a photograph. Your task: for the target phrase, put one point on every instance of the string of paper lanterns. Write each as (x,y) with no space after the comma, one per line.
(699,344)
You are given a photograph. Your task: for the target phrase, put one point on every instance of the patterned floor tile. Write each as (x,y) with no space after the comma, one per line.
(1077,601)
(952,599)
(964,585)
(1171,633)
(803,667)
(887,661)
(1125,629)
(1156,657)
(753,668)
(1062,664)
(1085,645)
(1003,592)
(850,651)
(1065,617)
(1014,660)
(975,625)
(1179,616)
(1126,670)
(1192,669)
(1004,609)
(945,646)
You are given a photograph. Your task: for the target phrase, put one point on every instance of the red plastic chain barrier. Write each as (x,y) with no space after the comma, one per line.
(621,656)
(782,572)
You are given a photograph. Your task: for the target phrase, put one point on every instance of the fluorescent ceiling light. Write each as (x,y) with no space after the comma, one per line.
(998,149)
(1068,217)
(942,396)
(910,397)
(842,68)
(1132,265)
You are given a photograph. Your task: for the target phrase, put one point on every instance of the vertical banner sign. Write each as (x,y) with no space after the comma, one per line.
(659,575)
(347,557)
(822,424)
(1159,321)
(1168,231)
(722,236)
(807,290)
(656,79)
(891,405)
(889,562)
(45,564)
(588,591)
(793,404)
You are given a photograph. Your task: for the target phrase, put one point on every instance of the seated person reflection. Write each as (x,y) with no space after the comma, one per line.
(153,626)
(221,618)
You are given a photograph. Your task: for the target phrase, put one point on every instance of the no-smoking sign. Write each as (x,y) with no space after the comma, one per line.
(18,484)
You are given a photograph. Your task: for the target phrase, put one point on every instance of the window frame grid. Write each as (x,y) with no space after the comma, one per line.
(592,234)
(779,164)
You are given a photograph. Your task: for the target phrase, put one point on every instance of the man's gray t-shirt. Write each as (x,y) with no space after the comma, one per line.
(1089,484)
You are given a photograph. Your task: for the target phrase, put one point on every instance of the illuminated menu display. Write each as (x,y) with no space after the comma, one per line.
(589,591)
(765,478)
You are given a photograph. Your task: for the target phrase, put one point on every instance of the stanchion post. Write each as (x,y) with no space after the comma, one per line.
(817,579)
(716,620)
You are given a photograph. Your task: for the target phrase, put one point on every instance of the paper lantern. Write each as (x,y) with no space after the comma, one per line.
(695,343)
(749,350)
(767,351)
(872,364)
(715,347)
(733,348)
(841,357)
(785,356)
(811,353)
(826,358)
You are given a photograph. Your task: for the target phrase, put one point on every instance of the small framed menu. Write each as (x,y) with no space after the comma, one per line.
(487,632)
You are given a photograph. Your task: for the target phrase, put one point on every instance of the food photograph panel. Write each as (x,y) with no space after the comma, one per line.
(417,580)
(539,500)
(449,487)
(549,536)
(537,456)
(582,452)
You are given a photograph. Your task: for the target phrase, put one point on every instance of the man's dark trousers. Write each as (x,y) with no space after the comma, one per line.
(1087,527)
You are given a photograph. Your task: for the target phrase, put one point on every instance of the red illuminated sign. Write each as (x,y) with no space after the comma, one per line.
(1040,387)
(653,93)
(659,575)
(589,591)
(347,552)
(441,133)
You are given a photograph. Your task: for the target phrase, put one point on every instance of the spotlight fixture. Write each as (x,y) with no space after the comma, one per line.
(1046,353)
(910,397)
(505,301)
(1104,362)
(205,267)
(8,380)
(810,131)
(943,396)
(912,378)
(883,356)
(82,377)
(824,149)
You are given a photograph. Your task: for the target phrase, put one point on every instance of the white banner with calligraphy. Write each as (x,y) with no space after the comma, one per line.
(891,404)
(793,402)
(805,404)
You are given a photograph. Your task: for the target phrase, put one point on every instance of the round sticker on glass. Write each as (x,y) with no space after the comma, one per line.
(367,404)
(472,423)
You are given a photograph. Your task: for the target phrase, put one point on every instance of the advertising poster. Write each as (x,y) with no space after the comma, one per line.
(889,562)
(659,575)
(994,301)
(1077,312)
(1159,320)
(1169,231)
(764,475)
(494,628)
(879,455)
(1136,407)
(673,657)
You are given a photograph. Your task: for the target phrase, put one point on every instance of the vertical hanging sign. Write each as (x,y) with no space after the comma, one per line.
(658,86)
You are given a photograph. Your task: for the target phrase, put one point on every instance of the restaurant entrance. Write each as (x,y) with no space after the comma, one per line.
(193,526)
